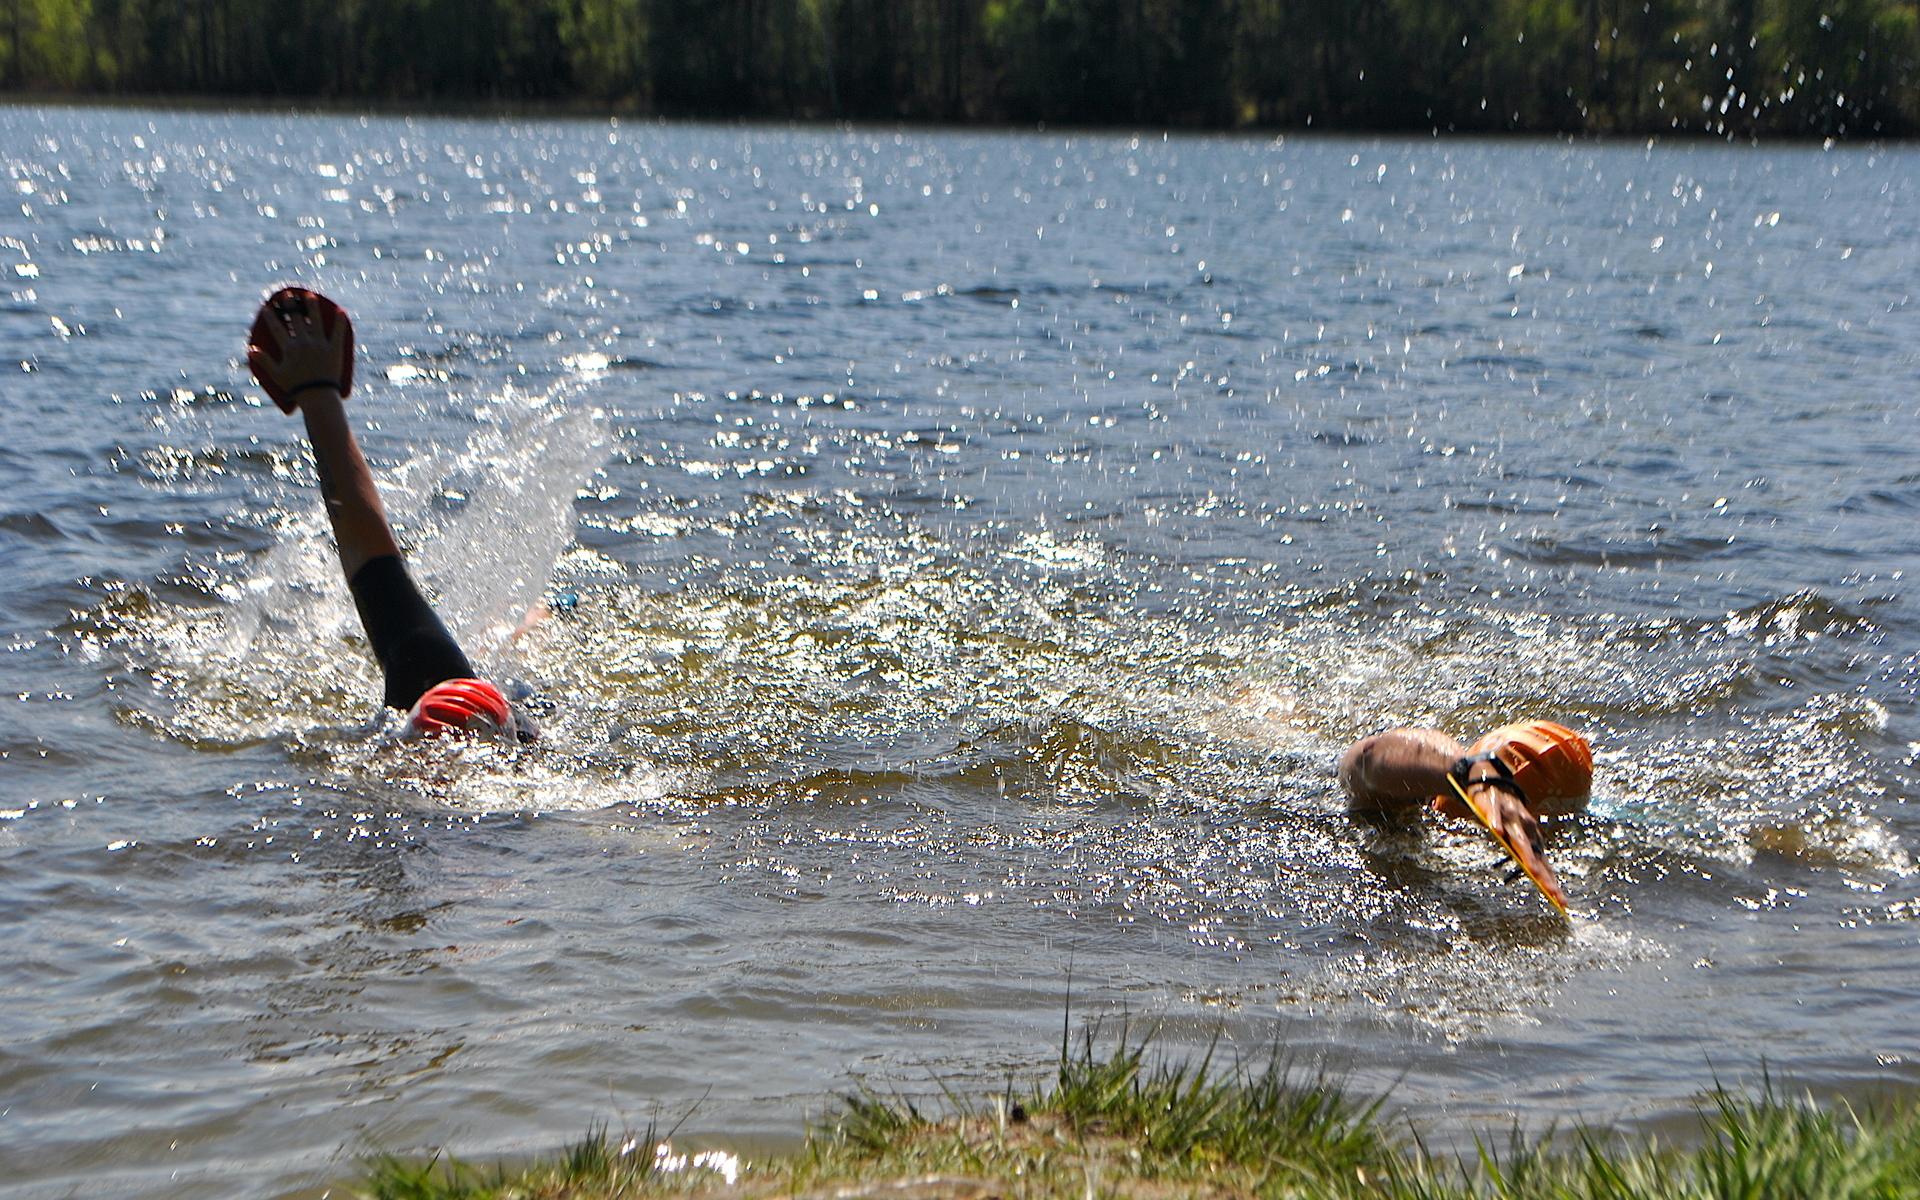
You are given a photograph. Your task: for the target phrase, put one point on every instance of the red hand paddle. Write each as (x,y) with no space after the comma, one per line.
(294,318)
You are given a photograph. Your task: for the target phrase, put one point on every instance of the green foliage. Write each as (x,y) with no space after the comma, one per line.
(1113,1123)
(592,1167)
(1726,67)
(1191,1122)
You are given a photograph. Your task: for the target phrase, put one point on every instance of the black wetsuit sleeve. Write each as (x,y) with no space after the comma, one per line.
(413,647)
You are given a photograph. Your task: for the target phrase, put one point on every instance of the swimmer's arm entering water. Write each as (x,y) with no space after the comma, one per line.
(413,646)
(1402,770)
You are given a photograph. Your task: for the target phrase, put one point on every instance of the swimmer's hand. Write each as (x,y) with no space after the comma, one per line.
(530,620)
(301,343)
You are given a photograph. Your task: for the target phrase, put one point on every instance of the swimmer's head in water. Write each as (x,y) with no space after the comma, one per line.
(470,706)
(1549,761)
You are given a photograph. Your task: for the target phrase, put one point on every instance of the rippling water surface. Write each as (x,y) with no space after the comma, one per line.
(981,547)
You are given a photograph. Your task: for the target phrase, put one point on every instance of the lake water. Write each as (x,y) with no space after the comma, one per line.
(980,548)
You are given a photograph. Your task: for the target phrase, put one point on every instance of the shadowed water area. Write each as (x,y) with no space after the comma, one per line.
(973,552)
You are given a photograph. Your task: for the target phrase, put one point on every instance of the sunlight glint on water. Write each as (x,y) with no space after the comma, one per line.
(971,553)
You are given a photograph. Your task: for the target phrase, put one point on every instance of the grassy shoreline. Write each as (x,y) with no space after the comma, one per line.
(1115,1123)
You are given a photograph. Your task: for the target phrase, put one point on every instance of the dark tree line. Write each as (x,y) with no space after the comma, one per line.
(1736,67)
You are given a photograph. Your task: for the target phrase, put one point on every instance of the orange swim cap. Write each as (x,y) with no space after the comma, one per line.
(1549,761)
(462,706)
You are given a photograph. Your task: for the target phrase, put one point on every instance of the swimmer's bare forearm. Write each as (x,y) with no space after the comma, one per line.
(325,475)
(359,520)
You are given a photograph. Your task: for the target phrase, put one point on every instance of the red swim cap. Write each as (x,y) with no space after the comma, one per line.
(1549,761)
(461,706)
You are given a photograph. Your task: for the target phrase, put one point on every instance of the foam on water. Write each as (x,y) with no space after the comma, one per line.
(281,655)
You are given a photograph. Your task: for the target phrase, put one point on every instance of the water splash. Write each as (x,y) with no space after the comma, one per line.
(489,522)
(284,655)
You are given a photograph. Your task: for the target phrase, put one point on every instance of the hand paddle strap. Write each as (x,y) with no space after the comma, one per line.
(1502,778)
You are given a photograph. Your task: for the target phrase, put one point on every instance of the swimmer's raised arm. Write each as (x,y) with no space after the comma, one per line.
(301,352)
(304,354)
(360,529)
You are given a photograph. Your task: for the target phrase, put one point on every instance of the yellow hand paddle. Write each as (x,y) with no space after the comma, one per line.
(1536,870)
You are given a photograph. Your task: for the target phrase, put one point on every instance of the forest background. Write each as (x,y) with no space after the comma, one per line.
(1734,68)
